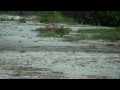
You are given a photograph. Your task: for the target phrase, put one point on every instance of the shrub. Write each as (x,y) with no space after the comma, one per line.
(54,17)
(62,31)
(53,30)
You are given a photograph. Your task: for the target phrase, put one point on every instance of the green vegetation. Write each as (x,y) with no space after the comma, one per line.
(96,34)
(71,38)
(22,51)
(22,20)
(3,19)
(102,18)
(63,31)
(76,37)
(53,31)
(56,17)
(6,19)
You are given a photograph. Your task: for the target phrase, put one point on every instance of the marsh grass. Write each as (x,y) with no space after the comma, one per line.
(109,35)
(71,38)
(75,38)
(114,36)
(96,34)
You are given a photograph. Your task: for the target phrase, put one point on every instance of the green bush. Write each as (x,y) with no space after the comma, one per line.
(102,18)
(54,16)
(63,31)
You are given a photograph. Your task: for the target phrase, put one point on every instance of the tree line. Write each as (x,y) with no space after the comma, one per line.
(104,18)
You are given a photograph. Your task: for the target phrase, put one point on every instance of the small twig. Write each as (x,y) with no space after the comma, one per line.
(73,51)
(28,63)
(6,71)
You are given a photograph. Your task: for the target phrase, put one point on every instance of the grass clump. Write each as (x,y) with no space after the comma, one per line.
(6,19)
(63,31)
(76,37)
(53,31)
(22,51)
(103,34)
(22,20)
(71,38)
(3,19)
(96,34)
(113,36)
